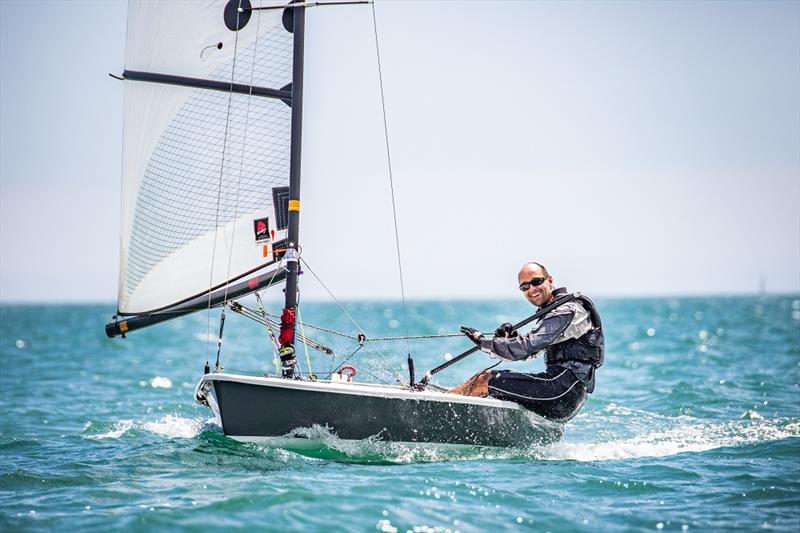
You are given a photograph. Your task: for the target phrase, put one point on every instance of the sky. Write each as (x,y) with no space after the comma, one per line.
(635,148)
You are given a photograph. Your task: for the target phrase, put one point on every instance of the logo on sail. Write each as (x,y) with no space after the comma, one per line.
(261,228)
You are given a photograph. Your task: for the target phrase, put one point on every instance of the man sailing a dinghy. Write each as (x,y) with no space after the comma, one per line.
(571,336)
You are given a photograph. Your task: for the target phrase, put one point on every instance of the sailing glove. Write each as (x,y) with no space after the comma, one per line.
(506,330)
(473,334)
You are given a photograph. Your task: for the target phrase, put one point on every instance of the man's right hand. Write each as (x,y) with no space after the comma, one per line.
(506,331)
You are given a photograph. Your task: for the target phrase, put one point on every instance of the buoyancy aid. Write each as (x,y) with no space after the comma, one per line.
(588,348)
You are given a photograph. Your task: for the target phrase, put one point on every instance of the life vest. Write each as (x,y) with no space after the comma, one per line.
(588,348)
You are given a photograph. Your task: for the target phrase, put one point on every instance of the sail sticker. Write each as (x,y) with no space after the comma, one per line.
(280,200)
(294,205)
(261,228)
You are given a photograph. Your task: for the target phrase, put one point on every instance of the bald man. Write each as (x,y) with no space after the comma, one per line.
(571,337)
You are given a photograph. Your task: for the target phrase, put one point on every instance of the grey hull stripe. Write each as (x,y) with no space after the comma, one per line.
(549,379)
(538,399)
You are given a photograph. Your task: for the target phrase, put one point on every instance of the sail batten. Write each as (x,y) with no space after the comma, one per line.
(205,154)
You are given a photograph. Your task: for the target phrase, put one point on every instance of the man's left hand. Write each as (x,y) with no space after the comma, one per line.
(473,334)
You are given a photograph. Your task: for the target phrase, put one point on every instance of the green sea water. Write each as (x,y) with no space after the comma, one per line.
(694,425)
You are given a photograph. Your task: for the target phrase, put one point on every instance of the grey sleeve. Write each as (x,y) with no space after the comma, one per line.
(525,346)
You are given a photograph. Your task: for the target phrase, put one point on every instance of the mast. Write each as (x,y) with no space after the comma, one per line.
(287,352)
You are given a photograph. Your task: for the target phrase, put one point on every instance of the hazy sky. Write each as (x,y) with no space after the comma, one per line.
(636,148)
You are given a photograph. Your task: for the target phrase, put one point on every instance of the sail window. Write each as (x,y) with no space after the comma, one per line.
(280,199)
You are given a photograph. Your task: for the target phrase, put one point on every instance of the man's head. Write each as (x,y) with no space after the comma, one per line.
(536,283)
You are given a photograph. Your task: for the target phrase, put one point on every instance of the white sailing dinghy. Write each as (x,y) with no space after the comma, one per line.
(210,213)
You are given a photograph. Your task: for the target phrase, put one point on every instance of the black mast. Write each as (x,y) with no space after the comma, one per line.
(287,321)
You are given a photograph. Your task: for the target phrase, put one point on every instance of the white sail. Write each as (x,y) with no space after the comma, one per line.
(202,164)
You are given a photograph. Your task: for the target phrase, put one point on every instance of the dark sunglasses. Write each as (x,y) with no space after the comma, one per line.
(535,282)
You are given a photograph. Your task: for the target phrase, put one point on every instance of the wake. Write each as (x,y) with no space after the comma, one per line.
(697,437)
(617,433)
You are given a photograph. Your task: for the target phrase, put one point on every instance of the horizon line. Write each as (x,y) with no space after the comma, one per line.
(603,296)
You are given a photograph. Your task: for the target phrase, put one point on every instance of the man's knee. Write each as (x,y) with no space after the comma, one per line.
(477,385)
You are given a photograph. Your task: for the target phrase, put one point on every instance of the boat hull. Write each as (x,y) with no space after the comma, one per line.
(252,408)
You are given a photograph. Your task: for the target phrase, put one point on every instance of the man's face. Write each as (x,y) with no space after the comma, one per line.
(540,294)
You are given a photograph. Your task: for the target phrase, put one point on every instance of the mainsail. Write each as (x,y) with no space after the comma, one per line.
(207,149)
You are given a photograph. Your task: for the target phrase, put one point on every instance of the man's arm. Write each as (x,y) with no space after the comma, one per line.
(525,346)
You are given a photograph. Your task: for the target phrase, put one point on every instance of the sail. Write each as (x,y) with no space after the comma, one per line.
(207,119)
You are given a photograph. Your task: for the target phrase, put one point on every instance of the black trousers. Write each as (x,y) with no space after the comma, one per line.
(555,393)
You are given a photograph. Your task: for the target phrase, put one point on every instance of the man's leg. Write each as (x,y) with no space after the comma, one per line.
(556,394)
(477,385)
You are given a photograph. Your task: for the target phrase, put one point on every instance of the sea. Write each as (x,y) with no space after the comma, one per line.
(694,425)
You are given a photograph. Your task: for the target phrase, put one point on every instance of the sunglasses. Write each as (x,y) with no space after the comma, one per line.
(535,282)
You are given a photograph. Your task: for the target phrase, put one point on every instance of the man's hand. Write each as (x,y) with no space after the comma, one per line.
(473,334)
(506,330)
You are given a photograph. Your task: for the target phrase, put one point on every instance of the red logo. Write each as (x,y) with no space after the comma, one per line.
(261,228)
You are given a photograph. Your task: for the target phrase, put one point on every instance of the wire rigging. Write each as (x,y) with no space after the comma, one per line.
(391,179)
(362,335)
(238,180)
(219,195)
(361,338)
(244,142)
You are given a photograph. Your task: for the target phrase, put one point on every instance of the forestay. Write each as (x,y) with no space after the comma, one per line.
(206,148)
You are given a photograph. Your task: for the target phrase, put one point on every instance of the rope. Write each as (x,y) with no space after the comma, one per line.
(413,337)
(346,359)
(391,180)
(232,351)
(334,299)
(305,345)
(375,339)
(244,141)
(265,321)
(382,356)
(274,343)
(219,194)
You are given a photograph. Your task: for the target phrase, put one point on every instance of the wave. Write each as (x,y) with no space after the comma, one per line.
(170,426)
